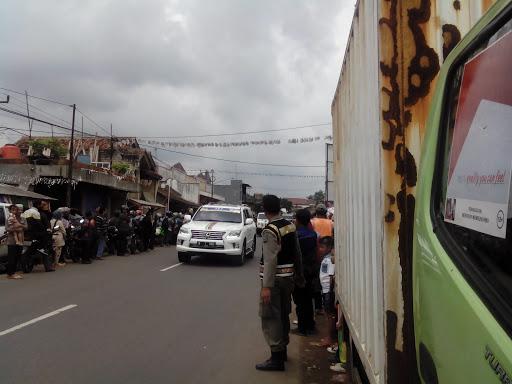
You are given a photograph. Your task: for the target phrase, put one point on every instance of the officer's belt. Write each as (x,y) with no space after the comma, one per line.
(283,270)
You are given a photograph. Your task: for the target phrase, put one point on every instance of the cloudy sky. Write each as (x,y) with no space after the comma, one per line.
(184,67)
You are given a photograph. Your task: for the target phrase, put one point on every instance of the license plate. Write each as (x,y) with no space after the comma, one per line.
(206,244)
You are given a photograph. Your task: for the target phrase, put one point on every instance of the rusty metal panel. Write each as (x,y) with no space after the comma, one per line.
(357,170)
(379,112)
(414,38)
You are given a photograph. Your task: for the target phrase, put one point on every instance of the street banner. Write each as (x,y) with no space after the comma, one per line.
(479,177)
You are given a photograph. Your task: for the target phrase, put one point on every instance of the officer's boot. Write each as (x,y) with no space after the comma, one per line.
(275,363)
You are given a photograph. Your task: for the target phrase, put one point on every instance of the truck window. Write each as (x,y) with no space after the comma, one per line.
(473,205)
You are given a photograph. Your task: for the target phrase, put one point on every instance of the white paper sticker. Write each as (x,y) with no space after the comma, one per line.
(478,195)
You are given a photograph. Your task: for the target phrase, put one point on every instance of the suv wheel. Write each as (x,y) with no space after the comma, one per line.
(241,258)
(183,257)
(252,252)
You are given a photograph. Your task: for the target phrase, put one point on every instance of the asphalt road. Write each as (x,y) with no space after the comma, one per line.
(134,323)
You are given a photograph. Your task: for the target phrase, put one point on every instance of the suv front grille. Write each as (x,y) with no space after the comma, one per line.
(207,235)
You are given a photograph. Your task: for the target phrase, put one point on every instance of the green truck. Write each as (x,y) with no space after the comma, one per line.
(422,127)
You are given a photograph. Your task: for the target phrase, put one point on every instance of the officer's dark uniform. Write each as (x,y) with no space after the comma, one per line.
(280,263)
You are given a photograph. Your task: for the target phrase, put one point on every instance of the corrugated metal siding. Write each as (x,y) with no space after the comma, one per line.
(355,113)
(379,113)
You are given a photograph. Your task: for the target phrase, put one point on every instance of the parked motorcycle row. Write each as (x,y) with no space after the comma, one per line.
(128,232)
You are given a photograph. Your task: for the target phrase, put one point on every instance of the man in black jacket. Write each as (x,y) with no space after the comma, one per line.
(38,228)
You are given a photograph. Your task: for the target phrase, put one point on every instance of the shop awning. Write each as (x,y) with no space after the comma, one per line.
(176,196)
(9,190)
(146,203)
(209,196)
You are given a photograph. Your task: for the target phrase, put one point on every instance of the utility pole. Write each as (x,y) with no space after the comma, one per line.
(28,114)
(111,146)
(82,127)
(70,165)
(212,179)
(169,183)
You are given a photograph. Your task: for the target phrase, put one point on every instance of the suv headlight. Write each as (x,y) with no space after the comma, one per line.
(184,230)
(235,233)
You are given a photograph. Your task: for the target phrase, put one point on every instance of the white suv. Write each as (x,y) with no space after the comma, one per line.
(218,229)
(261,222)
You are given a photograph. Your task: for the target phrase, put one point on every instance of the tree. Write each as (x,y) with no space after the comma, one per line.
(287,204)
(318,197)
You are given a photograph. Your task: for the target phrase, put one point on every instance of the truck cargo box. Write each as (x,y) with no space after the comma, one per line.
(379,113)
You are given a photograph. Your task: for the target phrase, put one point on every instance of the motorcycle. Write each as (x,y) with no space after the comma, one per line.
(112,233)
(73,237)
(131,240)
(38,252)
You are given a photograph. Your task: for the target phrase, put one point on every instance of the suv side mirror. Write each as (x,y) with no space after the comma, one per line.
(187,218)
(249,221)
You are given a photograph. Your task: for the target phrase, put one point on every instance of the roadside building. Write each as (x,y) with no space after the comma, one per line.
(177,191)
(105,172)
(301,203)
(206,191)
(236,192)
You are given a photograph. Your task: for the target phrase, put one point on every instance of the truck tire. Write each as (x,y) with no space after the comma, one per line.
(183,257)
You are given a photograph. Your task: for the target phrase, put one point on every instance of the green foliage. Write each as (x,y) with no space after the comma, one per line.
(318,197)
(38,145)
(287,204)
(121,167)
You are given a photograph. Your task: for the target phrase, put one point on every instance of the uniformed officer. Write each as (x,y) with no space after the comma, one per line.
(280,270)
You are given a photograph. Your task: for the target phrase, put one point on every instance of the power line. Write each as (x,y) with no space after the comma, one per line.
(235,161)
(284,189)
(37,97)
(95,123)
(21,130)
(262,174)
(39,120)
(22,104)
(236,133)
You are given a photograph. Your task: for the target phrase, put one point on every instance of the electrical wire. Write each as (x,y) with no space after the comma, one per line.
(39,120)
(261,174)
(236,133)
(36,97)
(22,104)
(95,123)
(235,161)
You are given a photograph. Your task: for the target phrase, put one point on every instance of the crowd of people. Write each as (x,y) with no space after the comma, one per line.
(298,261)
(40,236)
(316,297)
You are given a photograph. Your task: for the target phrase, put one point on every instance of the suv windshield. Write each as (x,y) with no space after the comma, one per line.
(218,214)
(261,216)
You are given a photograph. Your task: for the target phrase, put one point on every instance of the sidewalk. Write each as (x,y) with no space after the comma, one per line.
(314,360)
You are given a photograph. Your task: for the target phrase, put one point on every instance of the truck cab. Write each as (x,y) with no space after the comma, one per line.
(462,266)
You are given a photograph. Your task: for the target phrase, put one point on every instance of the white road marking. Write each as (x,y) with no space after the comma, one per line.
(30,322)
(171,267)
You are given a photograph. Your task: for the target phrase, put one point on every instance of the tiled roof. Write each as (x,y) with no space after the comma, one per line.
(299,201)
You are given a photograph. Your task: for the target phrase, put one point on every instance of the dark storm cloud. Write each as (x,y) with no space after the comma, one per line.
(176,67)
